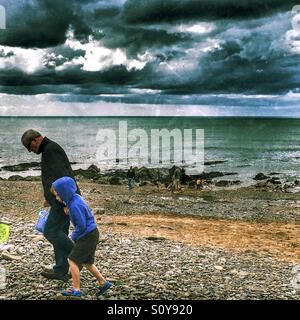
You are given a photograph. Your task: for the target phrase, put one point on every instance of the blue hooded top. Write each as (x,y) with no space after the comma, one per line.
(80,214)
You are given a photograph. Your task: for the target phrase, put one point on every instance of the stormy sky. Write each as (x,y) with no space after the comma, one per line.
(150,50)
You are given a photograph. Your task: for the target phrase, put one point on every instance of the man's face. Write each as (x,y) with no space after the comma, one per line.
(33,146)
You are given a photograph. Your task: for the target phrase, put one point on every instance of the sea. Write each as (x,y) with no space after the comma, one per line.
(243,146)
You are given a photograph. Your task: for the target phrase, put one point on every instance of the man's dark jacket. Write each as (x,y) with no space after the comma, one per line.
(55,165)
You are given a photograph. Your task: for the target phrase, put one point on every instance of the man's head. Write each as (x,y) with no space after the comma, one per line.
(31,140)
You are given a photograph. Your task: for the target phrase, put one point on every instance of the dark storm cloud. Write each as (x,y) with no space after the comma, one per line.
(243,51)
(136,40)
(141,11)
(41,23)
(117,75)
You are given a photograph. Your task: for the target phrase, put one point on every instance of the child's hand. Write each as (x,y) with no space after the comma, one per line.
(66,210)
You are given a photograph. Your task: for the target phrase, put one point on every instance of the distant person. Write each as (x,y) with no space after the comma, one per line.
(131,178)
(85,235)
(55,164)
(176,179)
(199,183)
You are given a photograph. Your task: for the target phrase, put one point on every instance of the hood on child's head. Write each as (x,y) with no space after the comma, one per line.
(66,188)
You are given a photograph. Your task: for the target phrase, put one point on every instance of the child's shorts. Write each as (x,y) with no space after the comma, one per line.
(84,249)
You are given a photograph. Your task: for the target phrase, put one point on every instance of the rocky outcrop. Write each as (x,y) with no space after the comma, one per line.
(227,183)
(23,167)
(261,176)
(91,173)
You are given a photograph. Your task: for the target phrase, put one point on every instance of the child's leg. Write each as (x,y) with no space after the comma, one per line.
(74,269)
(95,272)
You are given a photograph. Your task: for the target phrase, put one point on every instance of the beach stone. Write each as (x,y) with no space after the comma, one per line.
(9,257)
(115,180)
(129,201)
(36,238)
(98,211)
(243,274)
(166,227)
(155,238)
(219,268)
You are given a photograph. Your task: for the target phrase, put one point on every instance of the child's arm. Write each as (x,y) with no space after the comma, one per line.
(79,221)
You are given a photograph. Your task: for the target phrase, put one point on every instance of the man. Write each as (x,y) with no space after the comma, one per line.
(176,179)
(131,178)
(55,164)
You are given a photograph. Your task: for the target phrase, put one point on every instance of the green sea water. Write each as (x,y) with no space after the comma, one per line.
(247,145)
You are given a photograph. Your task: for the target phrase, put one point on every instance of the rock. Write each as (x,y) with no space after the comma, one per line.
(5,247)
(260,176)
(219,268)
(36,238)
(274,180)
(6,256)
(154,175)
(91,173)
(227,183)
(243,274)
(98,211)
(209,163)
(129,201)
(156,238)
(15,178)
(115,180)
(98,254)
(166,227)
(211,175)
(23,167)
(5,221)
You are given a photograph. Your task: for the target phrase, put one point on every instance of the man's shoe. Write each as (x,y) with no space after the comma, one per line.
(51,275)
(48,268)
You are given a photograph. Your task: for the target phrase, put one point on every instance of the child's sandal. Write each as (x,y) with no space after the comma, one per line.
(102,289)
(71,292)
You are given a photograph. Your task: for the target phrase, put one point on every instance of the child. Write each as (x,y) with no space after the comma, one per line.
(199,184)
(85,235)
(131,178)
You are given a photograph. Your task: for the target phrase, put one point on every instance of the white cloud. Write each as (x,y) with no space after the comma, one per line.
(194,28)
(99,58)
(27,60)
(198,28)
(96,58)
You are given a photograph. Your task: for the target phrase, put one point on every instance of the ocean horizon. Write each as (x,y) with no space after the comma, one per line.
(244,145)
